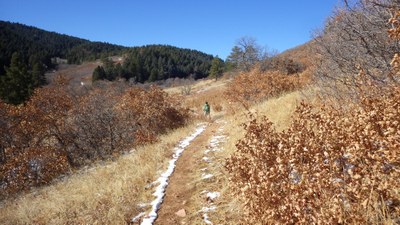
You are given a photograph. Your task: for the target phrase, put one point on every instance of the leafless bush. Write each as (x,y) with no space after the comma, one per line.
(94,127)
(355,38)
(186,88)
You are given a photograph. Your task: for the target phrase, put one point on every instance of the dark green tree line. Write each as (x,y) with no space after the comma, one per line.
(157,62)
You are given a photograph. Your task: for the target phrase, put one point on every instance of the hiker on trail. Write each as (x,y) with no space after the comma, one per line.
(206,109)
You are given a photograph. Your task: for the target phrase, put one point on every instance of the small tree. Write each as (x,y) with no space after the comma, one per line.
(217,68)
(16,86)
(246,53)
(98,74)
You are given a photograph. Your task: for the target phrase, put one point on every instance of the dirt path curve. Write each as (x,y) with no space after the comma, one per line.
(182,193)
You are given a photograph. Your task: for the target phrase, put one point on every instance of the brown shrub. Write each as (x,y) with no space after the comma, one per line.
(55,131)
(153,112)
(256,86)
(326,168)
(217,107)
(31,167)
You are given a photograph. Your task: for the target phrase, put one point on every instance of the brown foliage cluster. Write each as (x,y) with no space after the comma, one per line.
(330,166)
(255,86)
(153,111)
(56,131)
(326,168)
(394,32)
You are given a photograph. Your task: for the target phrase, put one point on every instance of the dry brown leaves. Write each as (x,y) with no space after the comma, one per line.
(55,131)
(325,168)
(255,86)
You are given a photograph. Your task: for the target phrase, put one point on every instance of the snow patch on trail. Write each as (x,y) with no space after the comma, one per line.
(206,159)
(212,195)
(208,209)
(206,176)
(136,218)
(206,219)
(213,147)
(163,179)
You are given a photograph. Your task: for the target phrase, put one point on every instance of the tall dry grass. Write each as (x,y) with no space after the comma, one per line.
(108,193)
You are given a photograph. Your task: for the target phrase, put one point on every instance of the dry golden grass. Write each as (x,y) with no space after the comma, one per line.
(210,91)
(195,86)
(108,193)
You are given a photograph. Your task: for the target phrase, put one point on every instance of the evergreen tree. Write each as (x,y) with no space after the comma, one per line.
(16,85)
(38,77)
(217,68)
(235,57)
(153,75)
(98,74)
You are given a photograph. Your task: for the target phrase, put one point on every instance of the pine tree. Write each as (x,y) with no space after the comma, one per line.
(217,68)
(98,74)
(153,75)
(16,85)
(38,78)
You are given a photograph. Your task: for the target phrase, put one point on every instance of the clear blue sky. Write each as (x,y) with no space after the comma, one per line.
(211,26)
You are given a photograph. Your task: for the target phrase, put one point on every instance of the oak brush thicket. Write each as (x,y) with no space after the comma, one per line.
(255,86)
(332,165)
(326,168)
(56,131)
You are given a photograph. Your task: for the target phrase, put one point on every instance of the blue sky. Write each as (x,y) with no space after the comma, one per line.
(211,26)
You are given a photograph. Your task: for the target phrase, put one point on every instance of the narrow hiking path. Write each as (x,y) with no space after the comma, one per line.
(189,190)
(186,196)
(189,196)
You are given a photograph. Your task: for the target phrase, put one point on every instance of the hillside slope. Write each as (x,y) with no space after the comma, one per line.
(35,43)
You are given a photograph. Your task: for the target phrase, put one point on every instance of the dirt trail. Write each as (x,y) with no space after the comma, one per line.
(184,189)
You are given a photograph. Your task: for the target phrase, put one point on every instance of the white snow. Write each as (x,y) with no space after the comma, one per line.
(206,219)
(206,176)
(213,195)
(142,205)
(163,179)
(137,217)
(212,147)
(208,209)
(205,158)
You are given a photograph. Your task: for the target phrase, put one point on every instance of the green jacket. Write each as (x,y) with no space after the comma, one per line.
(206,108)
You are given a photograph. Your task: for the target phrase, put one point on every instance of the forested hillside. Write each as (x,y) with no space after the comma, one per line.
(27,52)
(156,62)
(37,44)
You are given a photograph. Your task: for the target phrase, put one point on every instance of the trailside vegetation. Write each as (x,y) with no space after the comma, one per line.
(336,163)
(56,131)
